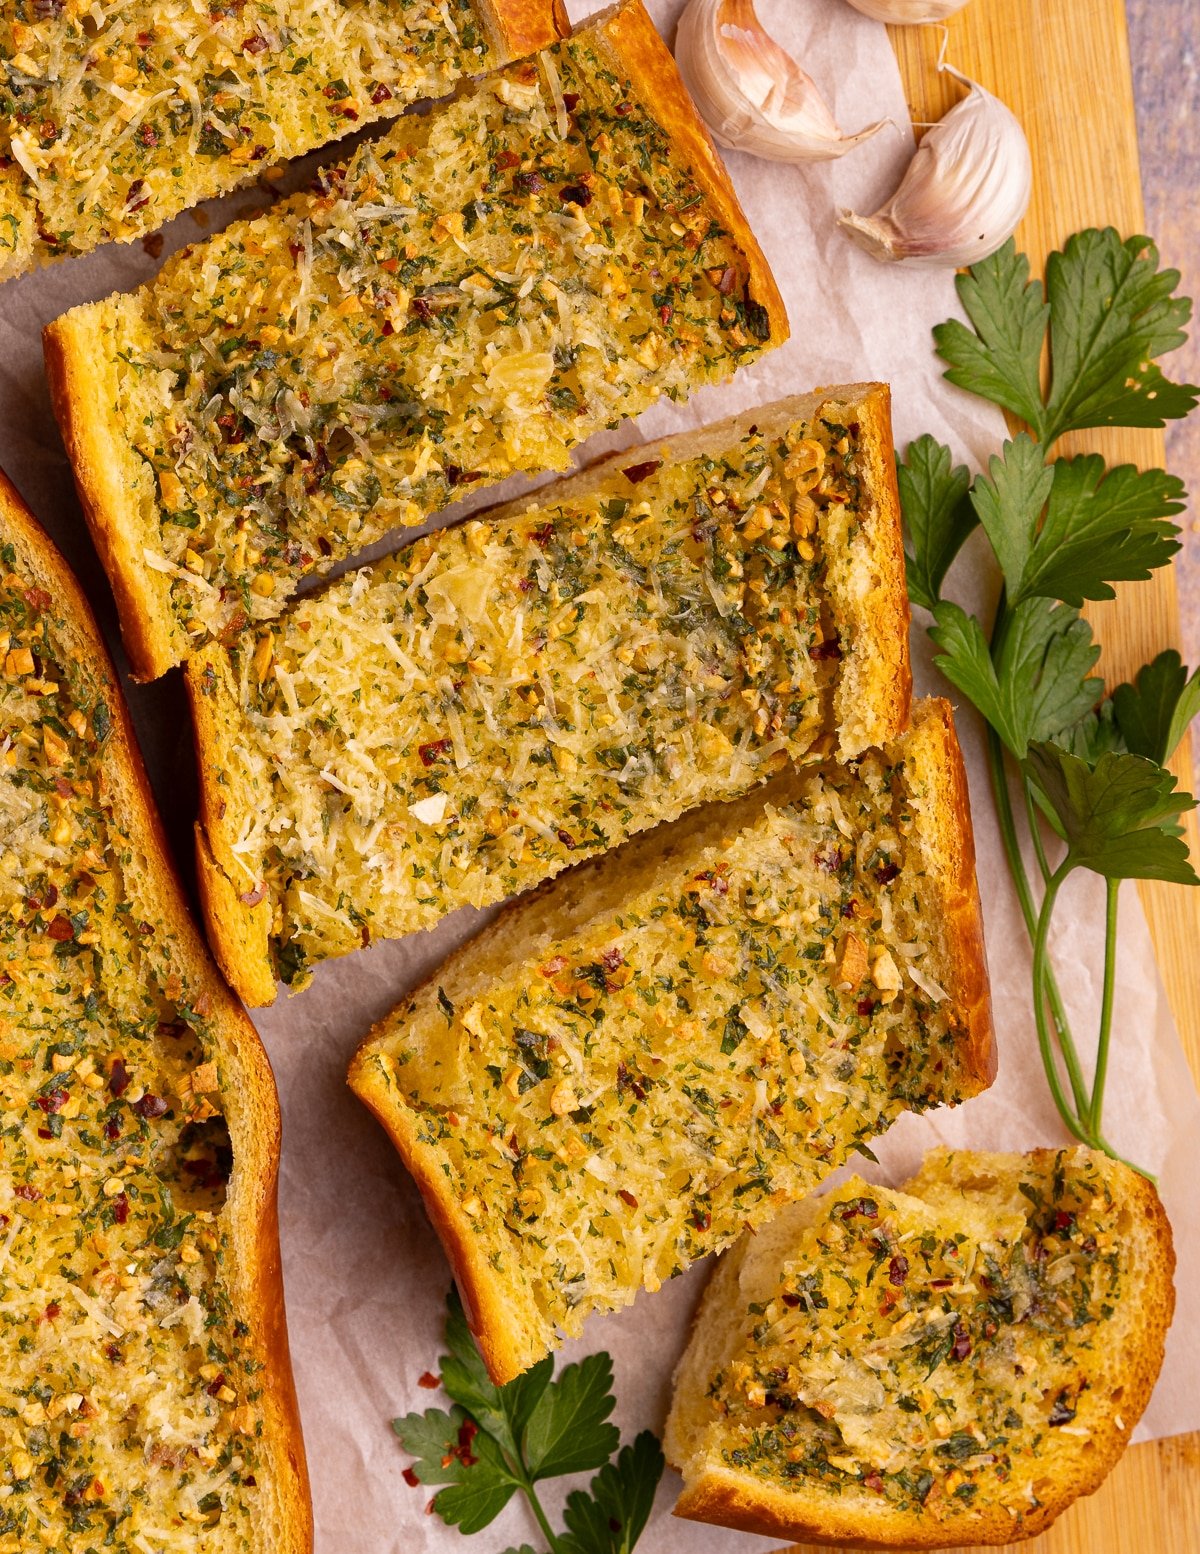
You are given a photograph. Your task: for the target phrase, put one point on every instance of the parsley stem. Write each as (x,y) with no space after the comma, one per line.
(1035,829)
(1016,864)
(1106,1006)
(535,1506)
(1075,1124)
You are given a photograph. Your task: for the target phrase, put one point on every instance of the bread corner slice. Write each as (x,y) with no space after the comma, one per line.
(951,1362)
(668,1044)
(129,979)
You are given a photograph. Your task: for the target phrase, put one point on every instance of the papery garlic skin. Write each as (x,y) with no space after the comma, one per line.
(908,13)
(750,92)
(963,194)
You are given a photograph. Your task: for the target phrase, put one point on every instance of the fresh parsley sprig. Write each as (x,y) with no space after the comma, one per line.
(496,1442)
(1088,768)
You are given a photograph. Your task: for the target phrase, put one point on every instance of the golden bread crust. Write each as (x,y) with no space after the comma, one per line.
(250,1103)
(109,477)
(962,911)
(524,26)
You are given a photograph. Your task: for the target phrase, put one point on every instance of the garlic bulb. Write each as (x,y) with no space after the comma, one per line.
(964,191)
(908,13)
(750,92)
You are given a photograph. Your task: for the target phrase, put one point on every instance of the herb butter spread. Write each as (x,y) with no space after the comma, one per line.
(741,1001)
(470,296)
(128,1400)
(502,699)
(966,1343)
(115,116)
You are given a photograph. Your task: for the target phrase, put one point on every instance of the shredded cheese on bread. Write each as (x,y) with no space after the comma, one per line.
(667,1046)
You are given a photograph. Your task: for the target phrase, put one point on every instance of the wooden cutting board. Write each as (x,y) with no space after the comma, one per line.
(1063,67)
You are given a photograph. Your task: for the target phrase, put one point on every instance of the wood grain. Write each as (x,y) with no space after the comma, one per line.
(1063,67)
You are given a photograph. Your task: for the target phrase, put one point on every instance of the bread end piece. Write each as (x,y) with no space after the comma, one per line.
(722,1496)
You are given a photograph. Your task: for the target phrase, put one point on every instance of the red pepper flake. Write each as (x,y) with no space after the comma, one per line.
(215,1384)
(940,1284)
(887,873)
(435,750)
(53,1101)
(627,1197)
(829,859)
(44,1133)
(611,959)
(150,1106)
(112,1353)
(411,1479)
(666,313)
(570,101)
(251,898)
(120,1208)
(529,183)
(30,1194)
(701,1218)
(865,1007)
(898,1269)
(962,1343)
(575,194)
(821,651)
(1063,1220)
(636,473)
(554,965)
(873,1481)
(428,1380)
(381,94)
(542,535)
(295,249)
(462,477)
(112,1128)
(387,328)
(505,159)
(61,929)
(135,199)
(52,1310)
(118,1077)
(38,599)
(351,114)
(467,1431)
(255,44)
(623,110)
(566,839)
(866,1207)
(789,1299)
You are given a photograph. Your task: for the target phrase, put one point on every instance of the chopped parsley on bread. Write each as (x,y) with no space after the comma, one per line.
(672,1042)
(469,297)
(952,1362)
(499,700)
(115,118)
(145,1392)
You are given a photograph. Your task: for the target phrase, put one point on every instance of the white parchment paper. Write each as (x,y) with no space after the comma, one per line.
(365,1276)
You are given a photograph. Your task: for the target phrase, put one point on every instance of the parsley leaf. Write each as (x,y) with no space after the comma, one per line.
(567,1432)
(1001,360)
(938,516)
(1100,529)
(1111,313)
(1154,712)
(500,1439)
(1118,818)
(1009,500)
(612,1516)
(1037,684)
(502,1411)
(449,1450)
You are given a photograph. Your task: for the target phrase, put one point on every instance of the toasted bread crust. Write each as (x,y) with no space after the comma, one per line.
(726,1498)
(962,911)
(251,1106)
(523,26)
(112,483)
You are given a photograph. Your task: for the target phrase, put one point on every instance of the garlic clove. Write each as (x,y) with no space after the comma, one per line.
(750,92)
(963,193)
(908,13)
